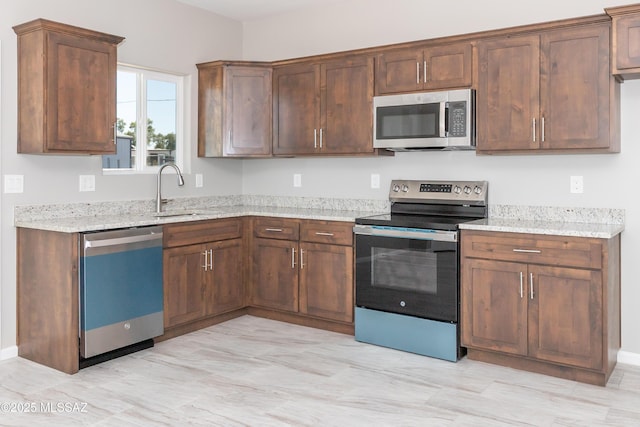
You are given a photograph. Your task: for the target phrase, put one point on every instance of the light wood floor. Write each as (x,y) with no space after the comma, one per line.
(258,372)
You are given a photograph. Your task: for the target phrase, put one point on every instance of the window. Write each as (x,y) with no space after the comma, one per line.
(155,99)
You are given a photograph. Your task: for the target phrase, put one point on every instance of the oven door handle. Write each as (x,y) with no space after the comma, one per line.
(406,233)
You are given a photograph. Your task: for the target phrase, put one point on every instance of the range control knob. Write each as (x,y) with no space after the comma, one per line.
(405,188)
(396,188)
(477,189)
(467,189)
(457,189)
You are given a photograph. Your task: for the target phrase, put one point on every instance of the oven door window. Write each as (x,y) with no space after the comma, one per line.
(408,121)
(407,276)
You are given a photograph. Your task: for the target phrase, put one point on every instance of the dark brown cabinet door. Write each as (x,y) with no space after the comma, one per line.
(448,66)
(326,281)
(247,111)
(565,315)
(411,70)
(399,71)
(296,109)
(183,284)
(627,42)
(574,88)
(275,274)
(494,306)
(66,89)
(508,94)
(224,287)
(346,107)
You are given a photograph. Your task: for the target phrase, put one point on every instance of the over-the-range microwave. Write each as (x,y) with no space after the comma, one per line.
(426,120)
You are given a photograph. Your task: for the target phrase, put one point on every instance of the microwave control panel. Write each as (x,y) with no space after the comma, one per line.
(457,119)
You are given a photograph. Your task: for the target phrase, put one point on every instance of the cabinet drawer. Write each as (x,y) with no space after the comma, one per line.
(190,233)
(337,233)
(276,228)
(533,249)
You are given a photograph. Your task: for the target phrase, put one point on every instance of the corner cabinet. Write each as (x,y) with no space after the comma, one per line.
(323,107)
(548,304)
(302,272)
(66,89)
(203,263)
(234,109)
(420,69)
(550,91)
(626,41)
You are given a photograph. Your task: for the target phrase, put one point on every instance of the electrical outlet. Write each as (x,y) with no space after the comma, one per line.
(297,180)
(87,183)
(576,184)
(199,180)
(375,180)
(14,183)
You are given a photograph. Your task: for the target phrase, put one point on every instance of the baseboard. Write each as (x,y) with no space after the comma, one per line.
(9,352)
(628,358)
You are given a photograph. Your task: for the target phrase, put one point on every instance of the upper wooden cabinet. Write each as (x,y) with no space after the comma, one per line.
(550,91)
(234,109)
(66,89)
(323,108)
(417,69)
(626,41)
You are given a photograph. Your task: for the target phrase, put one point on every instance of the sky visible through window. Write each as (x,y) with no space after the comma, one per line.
(161,102)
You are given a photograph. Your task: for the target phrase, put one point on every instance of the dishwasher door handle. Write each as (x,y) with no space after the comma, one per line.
(116,241)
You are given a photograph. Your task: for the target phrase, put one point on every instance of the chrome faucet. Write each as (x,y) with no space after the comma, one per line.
(159,200)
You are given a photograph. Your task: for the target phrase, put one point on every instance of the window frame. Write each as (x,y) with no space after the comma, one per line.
(182,98)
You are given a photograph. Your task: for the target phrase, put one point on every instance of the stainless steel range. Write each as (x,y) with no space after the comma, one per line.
(407,266)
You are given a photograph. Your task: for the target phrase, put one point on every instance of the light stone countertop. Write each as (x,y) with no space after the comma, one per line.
(553,228)
(600,223)
(106,222)
(97,216)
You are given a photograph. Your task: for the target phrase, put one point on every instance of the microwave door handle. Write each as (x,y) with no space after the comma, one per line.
(443,122)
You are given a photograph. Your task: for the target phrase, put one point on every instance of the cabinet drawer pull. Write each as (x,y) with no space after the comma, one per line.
(274,230)
(322,233)
(301,259)
(528,251)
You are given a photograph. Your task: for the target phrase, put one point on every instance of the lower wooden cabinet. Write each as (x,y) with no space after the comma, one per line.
(303,267)
(525,305)
(202,279)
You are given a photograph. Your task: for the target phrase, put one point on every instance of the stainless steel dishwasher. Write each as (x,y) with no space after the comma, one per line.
(121,296)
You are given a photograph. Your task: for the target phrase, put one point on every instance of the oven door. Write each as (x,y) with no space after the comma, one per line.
(407,271)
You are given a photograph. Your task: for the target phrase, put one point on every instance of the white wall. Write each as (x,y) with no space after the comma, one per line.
(162,34)
(520,180)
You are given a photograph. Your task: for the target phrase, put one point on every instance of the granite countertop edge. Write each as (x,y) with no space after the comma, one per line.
(552,228)
(107,222)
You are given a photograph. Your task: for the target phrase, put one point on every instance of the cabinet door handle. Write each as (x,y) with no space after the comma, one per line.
(542,125)
(301,258)
(211,259)
(531,284)
(293,257)
(229,137)
(322,233)
(274,230)
(521,285)
(424,71)
(417,73)
(206,261)
(315,138)
(533,129)
(321,138)
(528,251)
